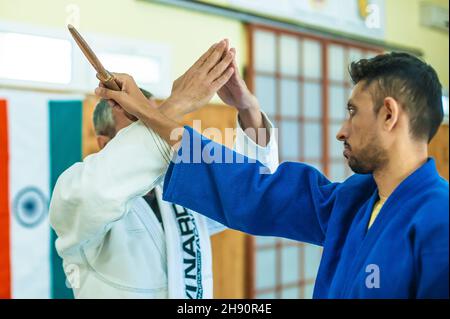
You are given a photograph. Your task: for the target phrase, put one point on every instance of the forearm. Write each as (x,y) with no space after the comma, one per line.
(252,123)
(267,154)
(163,121)
(293,202)
(172,111)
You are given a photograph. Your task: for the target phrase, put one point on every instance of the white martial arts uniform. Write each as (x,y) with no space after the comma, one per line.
(111,242)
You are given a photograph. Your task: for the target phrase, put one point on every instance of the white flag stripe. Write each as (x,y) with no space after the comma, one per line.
(29,193)
(29,182)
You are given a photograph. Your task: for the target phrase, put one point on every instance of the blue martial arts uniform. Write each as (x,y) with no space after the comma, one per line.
(403,255)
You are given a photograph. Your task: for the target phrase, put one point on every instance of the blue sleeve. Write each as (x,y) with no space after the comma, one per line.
(431,236)
(433,282)
(294,202)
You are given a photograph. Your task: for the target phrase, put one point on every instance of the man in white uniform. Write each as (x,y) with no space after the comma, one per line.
(117,237)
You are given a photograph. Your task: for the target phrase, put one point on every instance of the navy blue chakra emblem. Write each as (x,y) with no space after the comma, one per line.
(30,207)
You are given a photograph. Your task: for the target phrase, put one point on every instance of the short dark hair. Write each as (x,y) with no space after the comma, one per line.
(410,81)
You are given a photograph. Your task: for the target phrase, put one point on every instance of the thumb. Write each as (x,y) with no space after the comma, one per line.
(108,94)
(218,83)
(234,63)
(121,78)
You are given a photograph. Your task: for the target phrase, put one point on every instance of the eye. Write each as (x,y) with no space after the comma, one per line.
(351,110)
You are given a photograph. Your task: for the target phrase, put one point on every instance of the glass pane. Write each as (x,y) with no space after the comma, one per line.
(290,98)
(337,172)
(354,55)
(312,59)
(35,58)
(336,63)
(312,260)
(289,55)
(313,140)
(312,100)
(291,293)
(316,165)
(263,240)
(370,55)
(348,171)
(265,51)
(308,291)
(336,147)
(265,268)
(289,241)
(290,139)
(265,92)
(269,295)
(338,102)
(289,265)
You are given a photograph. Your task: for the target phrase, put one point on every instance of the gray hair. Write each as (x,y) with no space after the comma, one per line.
(104,123)
(103,119)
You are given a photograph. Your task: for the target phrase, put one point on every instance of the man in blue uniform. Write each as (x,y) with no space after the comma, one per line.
(384,230)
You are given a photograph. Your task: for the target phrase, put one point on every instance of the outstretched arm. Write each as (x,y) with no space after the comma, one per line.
(294,202)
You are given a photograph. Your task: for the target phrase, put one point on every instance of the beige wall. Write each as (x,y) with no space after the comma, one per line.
(403,27)
(187,33)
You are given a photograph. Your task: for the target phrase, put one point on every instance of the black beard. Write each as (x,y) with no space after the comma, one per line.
(370,158)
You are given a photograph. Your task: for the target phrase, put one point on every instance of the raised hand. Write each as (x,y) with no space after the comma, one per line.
(197,86)
(235,91)
(192,90)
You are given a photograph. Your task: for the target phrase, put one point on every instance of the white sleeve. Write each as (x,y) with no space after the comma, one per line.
(267,155)
(91,195)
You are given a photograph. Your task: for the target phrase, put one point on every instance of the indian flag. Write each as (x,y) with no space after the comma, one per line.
(40,137)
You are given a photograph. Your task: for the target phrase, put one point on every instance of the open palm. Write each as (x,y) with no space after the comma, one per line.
(235,91)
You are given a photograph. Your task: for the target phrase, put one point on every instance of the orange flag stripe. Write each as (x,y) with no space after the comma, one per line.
(5,262)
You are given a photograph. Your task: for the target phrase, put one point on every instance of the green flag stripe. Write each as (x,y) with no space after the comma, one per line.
(65,149)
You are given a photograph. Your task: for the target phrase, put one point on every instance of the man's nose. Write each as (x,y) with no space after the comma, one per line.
(342,135)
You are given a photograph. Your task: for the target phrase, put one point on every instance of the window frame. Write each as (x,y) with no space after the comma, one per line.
(250,75)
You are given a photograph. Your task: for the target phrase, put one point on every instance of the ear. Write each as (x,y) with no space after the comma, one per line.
(389,113)
(102,140)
